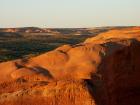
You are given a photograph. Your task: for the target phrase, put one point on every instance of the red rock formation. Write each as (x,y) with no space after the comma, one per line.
(104,70)
(11,30)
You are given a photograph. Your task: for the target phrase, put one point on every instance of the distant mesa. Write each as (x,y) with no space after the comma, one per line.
(25,30)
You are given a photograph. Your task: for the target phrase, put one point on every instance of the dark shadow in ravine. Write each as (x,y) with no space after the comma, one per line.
(96,89)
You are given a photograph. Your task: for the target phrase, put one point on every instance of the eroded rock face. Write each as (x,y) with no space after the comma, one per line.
(120,72)
(104,70)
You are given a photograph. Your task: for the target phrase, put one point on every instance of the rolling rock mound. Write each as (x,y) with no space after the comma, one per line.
(103,70)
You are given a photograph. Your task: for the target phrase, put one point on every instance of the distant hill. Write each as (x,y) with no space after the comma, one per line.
(54,31)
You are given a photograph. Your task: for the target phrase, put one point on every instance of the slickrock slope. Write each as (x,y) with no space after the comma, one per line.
(104,70)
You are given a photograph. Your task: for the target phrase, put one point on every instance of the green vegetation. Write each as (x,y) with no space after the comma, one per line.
(13,47)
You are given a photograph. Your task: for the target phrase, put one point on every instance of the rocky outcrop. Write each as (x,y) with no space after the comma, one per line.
(104,70)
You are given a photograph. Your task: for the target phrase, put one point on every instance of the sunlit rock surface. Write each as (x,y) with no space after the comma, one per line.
(103,70)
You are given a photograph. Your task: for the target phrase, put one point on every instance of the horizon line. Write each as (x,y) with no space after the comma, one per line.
(71,27)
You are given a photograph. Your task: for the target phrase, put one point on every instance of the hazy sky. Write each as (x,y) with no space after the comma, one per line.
(69,13)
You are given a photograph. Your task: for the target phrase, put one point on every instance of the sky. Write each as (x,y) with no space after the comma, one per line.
(69,13)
